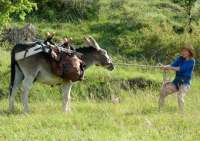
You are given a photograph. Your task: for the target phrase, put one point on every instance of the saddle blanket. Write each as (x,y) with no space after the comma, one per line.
(31,51)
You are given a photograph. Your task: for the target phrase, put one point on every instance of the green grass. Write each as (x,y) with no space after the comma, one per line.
(132,32)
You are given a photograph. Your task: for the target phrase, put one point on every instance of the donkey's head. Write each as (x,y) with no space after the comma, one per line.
(99,56)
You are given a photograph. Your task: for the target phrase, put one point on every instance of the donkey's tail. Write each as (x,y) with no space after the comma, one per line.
(12,69)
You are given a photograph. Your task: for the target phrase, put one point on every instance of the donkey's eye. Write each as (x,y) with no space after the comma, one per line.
(102,53)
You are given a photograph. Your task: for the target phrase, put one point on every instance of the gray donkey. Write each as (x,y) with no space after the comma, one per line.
(37,68)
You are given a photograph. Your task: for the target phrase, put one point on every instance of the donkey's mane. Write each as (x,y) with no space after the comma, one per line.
(86,49)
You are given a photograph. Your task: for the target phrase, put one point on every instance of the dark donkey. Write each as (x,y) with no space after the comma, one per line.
(37,68)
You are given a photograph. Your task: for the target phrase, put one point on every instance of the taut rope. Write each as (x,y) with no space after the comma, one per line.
(165,78)
(136,65)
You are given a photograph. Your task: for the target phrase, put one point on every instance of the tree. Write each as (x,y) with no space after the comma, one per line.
(188,5)
(18,8)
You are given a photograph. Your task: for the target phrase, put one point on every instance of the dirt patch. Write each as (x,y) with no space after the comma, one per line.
(168,7)
(1,93)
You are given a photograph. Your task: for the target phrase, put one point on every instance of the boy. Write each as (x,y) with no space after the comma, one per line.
(183,66)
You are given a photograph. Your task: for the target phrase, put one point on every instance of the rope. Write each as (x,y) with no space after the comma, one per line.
(136,65)
(165,78)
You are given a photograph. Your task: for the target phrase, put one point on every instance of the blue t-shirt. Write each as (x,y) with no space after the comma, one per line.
(184,75)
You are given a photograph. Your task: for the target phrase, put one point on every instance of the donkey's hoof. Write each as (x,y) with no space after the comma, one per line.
(11,110)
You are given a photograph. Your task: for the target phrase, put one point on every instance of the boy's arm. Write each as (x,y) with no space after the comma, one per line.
(189,66)
(174,66)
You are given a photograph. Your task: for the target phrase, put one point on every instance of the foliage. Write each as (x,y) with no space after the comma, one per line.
(19,8)
(187,5)
(66,10)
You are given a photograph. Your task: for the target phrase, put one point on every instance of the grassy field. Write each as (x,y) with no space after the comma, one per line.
(133,31)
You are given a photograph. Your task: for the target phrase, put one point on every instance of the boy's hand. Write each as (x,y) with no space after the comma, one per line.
(169,67)
(165,67)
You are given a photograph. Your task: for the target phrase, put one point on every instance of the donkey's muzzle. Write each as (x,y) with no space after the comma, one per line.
(110,67)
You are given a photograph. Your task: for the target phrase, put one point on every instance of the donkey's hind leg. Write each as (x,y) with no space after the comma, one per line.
(13,88)
(27,84)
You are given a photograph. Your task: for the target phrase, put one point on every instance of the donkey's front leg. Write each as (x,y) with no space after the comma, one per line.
(66,97)
(27,84)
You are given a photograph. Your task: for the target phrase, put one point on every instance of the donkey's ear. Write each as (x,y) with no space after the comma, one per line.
(70,39)
(50,34)
(94,43)
(87,42)
(65,40)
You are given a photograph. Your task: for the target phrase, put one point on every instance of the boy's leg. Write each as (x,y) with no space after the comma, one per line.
(167,88)
(182,91)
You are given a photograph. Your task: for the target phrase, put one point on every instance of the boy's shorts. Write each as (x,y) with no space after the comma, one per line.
(170,88)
